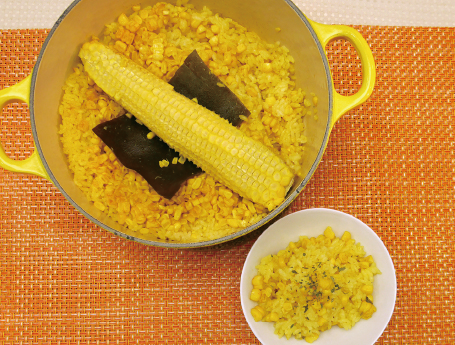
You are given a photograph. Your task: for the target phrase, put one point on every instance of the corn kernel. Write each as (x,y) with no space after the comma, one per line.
(209,34)
(255,295)
(213,65)
(324,283)
(241,48)
(367,289)
(99,206)
(163,163)
(270,100)
(267,291)
(346,236)
(328,305)
(102,103)
(366,315)
(215,29)
(200,29)
(281,286)
(267,67)
(328,232)
(144,13)
(316,305)
(287,307)
(235,223)
(365,306)
(230,79)
(152,24)
(369,259)
(214,41)
(273,317)
(258,282)
(196,183)
(165,221)
(281,262)
(292,246)
(266,120)
(320,239)
(156,56)
(150,135)
(311,338)
(364,265)
(195,23)
(258,313)
(178,212)
(123,19)
(226,193)
(343,257)
(120,46)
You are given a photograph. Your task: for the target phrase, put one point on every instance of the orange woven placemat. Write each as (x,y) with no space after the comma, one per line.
(390,162)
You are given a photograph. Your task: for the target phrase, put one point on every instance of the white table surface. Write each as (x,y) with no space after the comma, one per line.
(42,14)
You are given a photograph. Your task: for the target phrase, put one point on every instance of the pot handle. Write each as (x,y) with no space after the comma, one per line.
(32,164)
(327,33)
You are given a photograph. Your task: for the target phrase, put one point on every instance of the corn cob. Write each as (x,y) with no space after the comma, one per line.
(239,162)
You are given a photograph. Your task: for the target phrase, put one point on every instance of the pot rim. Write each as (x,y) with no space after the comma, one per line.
(208,243)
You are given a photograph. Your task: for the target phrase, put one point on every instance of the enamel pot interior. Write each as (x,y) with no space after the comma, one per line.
(85,18)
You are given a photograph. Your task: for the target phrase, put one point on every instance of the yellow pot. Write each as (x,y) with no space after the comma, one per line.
(306,40)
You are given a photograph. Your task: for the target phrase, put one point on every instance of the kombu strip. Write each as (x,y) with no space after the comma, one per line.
(128,139)
(195,80)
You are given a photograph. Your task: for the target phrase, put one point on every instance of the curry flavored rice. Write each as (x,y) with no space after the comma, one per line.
(159,38)
(314,284)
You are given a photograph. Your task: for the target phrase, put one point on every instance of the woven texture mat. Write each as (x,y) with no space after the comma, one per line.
(389,162)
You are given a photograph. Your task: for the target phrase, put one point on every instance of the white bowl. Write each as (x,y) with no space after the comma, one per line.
(311,223)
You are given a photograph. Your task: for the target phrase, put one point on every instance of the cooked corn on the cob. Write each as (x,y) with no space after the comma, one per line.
(234,159)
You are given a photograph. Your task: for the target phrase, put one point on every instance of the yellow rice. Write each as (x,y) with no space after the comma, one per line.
(159,38)
(314,284)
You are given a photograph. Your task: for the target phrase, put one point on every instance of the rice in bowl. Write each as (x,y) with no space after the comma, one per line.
(159,38)
(314,284)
